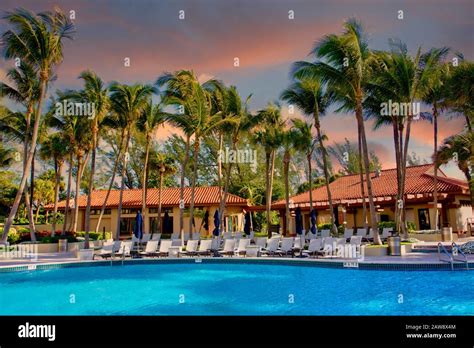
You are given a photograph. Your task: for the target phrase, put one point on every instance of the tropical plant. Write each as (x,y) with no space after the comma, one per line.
(151,117)
(269,135)
(37,39)
(56,148)
(310,96)
(127,102)
(346,64)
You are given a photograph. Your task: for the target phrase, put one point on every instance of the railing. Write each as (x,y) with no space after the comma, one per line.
(459,252)
(450,259)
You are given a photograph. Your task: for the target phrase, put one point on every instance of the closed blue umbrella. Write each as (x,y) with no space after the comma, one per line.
(313,222)
(138,227)
(299,221)
(216,223)
(205,220)
(247,223)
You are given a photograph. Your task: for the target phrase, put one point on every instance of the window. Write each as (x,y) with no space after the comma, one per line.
(129,211)
(97,211)
(384,218)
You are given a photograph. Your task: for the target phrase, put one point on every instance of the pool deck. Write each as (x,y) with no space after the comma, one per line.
(413,260)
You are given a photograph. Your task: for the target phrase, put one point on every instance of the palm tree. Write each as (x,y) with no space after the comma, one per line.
(55,148)
(434,95)
(24,89)
(400,78)
(128,102)
(94,93)
(36,39)
(177,90)
(304,143)
(151,117)
(346,66)
(288,143)
(458,148)
(269,135)
(197,119)
(310,96)
(165,166)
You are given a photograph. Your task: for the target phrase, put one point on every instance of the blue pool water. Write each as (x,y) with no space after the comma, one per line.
(235,289)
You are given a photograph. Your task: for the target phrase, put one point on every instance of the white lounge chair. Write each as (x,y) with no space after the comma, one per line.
(314,248)
(361,232)
(387,232)
(145,238)
(229,246)
(227,235)
(125,249)
(205,247)
(271,247)
(348,233)
(252,251)
(191,248)
(106,250)
(328,245)
(299,243)
(175,235)
(325,233)
(238,235)
(242,246)
(165,247)
(156,237)
(196,236)
(150,248)
(356,240)
(286,247)
(261,242)
(176,242)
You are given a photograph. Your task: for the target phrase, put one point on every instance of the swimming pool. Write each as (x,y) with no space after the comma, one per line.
(234,289)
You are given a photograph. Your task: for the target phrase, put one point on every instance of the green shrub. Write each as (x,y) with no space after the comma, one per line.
(49,239)
(95,235)
(325,226)
(13,235)
(386,224)
(411,226)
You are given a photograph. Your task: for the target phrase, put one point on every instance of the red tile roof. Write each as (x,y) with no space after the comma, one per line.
(204,196)
(419,180)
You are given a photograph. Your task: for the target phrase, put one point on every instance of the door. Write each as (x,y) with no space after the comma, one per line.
(424,219)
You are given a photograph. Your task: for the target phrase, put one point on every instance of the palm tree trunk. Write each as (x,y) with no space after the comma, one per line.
(80,165)
(112,179)
(286,169)
(267,184)
(362,186)
(373,217)
(31,151)
(435,177)
(145,176)
(68,194)
(122,185)
(226,188)
(181,190)
(91,186)
(31,222)
(326,173)
(57,170)
(310,178)
(159,203)
(193,184)
(396,141)
(403,176)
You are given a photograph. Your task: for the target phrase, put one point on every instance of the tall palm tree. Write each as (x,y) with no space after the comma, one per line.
(288,143)
(165,166)
(310,96)
(36,39)
(24,89)
(458,148)
(94,93)
(269,135)
(434,95)
(56,148)
(400,78)
(304,143)
(152,117)
(346,65)
(128,102)
(177,90)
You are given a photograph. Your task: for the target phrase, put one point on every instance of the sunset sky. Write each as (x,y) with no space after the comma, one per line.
(260,34)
